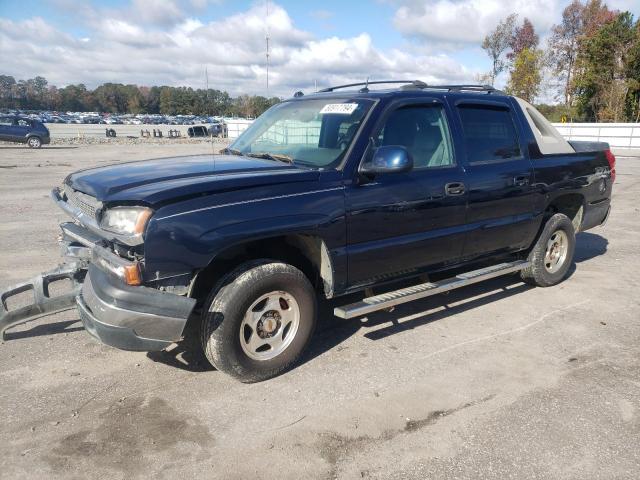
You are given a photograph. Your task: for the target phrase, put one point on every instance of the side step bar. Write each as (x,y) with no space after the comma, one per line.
(409,294)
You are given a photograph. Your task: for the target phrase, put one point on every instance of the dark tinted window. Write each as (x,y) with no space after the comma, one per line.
(489,133)
(423,130)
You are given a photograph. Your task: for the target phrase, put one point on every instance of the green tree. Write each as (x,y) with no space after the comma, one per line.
(74,98)
(601,84)
(632,72)
(166,101)
(579,23)
(564,44)
(523,37)
(7,86)
(497,42)
(524,81)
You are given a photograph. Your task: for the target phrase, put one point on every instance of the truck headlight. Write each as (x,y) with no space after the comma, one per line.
(130,221)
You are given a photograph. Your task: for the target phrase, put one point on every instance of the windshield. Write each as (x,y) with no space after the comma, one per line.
(315,133)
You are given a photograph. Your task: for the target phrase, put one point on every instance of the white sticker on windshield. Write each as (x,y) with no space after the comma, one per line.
(340,108)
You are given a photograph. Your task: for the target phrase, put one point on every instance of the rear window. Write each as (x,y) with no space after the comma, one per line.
(489,133)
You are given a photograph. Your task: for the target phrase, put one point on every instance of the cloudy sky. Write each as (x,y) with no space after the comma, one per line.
(171,42)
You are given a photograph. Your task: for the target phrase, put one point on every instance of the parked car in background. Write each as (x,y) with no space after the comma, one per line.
(218,129)
(197,131)
(23,130)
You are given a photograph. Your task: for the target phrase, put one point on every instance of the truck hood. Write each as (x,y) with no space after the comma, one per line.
(154,182)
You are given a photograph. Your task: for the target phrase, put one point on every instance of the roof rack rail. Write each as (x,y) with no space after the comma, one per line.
(413,83)
(474,88)
(420,85)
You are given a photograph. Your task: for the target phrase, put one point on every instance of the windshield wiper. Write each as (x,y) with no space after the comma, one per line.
(232,151)
(281,157)
(271,156)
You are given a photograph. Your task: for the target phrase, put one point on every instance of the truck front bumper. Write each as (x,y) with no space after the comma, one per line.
(130,318)
(123,316)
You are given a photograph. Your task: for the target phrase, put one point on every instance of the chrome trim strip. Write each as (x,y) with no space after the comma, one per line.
(76,234)
(101,252)
(277,197)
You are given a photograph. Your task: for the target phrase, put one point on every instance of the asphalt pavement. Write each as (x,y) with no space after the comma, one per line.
(497,381)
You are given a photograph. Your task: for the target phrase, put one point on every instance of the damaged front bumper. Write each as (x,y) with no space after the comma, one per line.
(44,303)
(123,316)
(130,318)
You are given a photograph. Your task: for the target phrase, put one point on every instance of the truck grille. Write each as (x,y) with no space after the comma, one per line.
(81,201)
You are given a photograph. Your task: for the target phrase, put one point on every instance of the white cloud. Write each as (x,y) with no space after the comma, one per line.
(468,21)
(173,48)
(160,12)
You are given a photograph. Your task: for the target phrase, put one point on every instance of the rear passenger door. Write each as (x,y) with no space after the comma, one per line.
(500,212)
(398,223)
(22,128)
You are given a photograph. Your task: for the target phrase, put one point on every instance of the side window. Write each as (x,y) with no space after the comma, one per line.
(423,131)
(489,134)
(24,123)
(6,121)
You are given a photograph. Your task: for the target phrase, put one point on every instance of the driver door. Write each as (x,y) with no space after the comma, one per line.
(400,223)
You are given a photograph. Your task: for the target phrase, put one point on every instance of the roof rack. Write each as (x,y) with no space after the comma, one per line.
(416,84)
(472,88)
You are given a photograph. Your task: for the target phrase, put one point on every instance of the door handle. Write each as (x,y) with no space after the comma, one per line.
(521,180)
(455,188)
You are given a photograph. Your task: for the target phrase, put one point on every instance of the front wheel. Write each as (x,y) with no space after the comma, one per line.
(552,254)
(259,320)
(34,142)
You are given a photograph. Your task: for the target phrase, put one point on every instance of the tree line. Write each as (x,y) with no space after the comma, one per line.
(37,94)
(591,61)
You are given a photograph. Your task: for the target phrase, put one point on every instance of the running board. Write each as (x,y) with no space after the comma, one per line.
(409,294)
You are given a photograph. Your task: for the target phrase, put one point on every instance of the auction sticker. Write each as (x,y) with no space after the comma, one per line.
(340,108)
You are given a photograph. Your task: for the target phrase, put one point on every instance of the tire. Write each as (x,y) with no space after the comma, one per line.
(34,142)
(261,304)
(552,254)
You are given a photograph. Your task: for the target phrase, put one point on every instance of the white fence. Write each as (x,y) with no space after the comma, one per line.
(293,132)
(617,135)
(235,126)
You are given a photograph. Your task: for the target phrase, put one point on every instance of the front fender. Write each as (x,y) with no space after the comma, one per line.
(183,243)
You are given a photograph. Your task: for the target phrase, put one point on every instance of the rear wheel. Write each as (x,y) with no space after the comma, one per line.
(258,321)
(34,142)
(552,254)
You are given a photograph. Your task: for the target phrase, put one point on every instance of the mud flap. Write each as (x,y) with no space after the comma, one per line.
(43,302)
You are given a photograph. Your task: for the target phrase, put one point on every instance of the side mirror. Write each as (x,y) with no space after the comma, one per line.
(388,159)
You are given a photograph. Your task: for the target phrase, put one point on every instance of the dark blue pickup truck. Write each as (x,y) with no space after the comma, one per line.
(326,194)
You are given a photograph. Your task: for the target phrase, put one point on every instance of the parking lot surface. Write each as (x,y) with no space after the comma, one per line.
(498,380)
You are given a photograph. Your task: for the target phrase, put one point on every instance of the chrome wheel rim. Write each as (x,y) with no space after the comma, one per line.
(556,253)
(33,142)
(269,325)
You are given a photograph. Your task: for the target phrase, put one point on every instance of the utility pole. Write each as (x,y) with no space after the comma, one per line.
(267,53)
(206,95)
